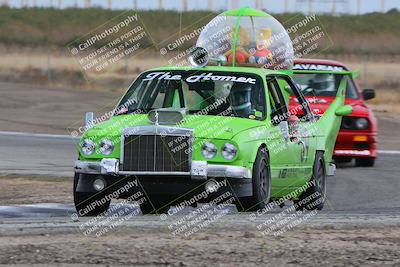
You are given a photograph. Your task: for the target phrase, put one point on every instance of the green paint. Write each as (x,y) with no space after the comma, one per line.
(289,170)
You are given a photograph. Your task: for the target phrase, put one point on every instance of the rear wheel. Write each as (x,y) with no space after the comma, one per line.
(365,162)
(89,204)
(261,184)
(314,196)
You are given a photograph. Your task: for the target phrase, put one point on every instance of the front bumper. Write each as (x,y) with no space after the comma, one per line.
(172,184)
(354,144)
(200,170)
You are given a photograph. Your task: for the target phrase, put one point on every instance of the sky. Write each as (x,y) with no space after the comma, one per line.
(272,6)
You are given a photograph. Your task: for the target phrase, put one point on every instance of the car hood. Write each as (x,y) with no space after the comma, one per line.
(212,127)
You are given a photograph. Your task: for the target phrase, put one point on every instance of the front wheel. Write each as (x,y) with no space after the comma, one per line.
(89,204)
(313,198)
(261,181)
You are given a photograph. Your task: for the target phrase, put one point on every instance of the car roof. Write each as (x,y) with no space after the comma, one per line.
(326,62)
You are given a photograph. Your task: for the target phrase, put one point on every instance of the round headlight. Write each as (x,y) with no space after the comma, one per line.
(88,147)
(361,123)
(208,150)
(106,147)
(228,151)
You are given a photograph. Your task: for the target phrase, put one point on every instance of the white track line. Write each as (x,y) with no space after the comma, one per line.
(389,152)
(4,133)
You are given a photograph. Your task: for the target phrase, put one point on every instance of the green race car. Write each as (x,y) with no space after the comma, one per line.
(184,133)
(177,128)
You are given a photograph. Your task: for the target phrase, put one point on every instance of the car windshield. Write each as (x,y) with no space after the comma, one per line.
(324,84)
(205,93)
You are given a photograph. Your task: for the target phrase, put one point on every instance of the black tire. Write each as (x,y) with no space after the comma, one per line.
(261,184)
(83,201)
(158,205)
(314,196)
(343,160)
(365,162)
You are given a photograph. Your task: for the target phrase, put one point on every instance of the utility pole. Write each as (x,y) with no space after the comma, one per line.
(383,6)
(358,7)
(210,5)
(286,6)
(235,4)
(160,4)
(185,5)
(109,3)
(258,4)
(135,6)
(60,4)
(310,7)
(5,3)
(333,7)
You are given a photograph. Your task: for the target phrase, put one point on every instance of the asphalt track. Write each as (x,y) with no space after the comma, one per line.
(361,195)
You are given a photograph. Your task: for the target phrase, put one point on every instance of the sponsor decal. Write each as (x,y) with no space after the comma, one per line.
(318,67)
(198,78)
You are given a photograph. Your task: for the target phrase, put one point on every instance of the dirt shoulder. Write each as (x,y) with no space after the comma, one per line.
(43,109)
(302,247)
(17,190)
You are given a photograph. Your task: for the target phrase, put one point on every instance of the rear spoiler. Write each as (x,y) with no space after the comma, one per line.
(344,72)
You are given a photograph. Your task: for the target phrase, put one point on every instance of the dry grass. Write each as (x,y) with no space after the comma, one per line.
(386,101)
(31,66)
(13,190)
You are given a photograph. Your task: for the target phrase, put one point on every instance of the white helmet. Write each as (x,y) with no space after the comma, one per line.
(323,82)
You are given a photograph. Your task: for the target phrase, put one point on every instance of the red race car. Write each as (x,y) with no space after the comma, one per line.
(319,81)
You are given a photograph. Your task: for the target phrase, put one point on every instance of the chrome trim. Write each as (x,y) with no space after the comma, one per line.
(152,173)
(156,130)
(228,171)
(213,170)
(89,167)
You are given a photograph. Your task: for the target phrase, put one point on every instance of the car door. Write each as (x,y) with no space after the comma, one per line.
(304,136)
(283,153)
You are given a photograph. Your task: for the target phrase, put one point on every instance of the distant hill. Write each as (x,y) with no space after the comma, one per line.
(374,33)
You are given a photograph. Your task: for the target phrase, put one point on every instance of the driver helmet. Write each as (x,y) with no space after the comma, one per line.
(222,92)
(323,81)
(239,98)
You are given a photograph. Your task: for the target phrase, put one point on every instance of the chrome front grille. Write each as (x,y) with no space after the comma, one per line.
(155,152)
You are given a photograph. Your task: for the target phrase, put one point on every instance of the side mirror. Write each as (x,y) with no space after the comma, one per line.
(284,129)
(88,120)
(368,94)
(344,110)
(355,74)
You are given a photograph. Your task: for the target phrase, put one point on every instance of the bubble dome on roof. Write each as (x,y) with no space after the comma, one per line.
(248,37)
